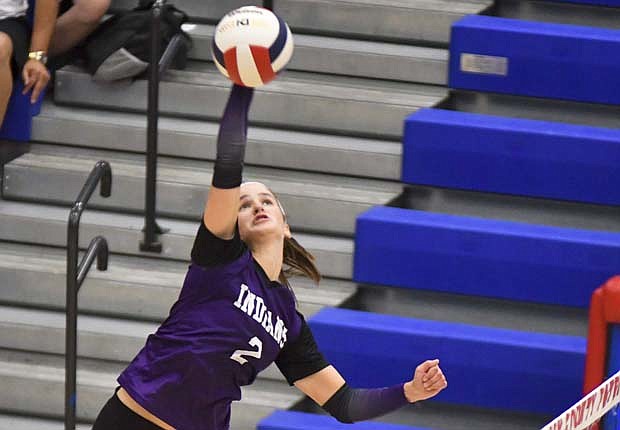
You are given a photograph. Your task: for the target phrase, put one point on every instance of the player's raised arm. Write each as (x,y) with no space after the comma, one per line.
(220,215)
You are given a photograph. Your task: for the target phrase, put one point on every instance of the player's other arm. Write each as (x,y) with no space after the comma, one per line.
(329,389)
(222,206)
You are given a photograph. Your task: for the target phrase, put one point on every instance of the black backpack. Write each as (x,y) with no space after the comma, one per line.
(120,47)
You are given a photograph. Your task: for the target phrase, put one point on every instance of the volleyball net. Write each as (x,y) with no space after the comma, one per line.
(599,409)
(596,411)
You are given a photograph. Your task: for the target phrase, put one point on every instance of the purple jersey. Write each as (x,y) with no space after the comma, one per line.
(228,324)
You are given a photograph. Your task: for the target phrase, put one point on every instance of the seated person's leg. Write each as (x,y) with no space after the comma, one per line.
(79,20)
(6,75)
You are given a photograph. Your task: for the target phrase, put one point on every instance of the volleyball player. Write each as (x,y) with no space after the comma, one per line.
(236,315)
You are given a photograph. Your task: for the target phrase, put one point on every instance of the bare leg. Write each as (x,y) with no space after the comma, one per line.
(6,75)
(77,23)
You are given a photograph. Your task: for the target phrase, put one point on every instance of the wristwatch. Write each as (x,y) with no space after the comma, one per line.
(38,55)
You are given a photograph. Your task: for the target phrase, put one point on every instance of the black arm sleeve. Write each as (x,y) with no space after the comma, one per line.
(209,250)
(231,139)
(349,405)
(301,357)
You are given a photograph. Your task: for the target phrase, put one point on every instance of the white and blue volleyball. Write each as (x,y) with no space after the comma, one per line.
(251,45)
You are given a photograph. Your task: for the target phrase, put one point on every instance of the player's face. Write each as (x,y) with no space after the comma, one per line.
(260,215)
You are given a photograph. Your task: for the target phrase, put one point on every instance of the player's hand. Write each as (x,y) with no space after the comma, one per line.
(36,76)
(428,380)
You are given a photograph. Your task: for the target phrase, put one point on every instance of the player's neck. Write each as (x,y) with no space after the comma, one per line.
(270,256)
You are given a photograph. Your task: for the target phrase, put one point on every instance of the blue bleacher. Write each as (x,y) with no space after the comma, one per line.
(512,156)
(614,350)
(536,59)
(289,420)
(491,258)
(485,367)
(17,124)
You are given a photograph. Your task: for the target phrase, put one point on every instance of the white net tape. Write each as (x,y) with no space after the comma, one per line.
(591,408)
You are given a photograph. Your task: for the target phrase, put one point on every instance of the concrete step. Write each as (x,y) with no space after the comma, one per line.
(19,422)
(296,100)
(348,57)
(596,115)
(590,15)
(34,384)
(471,310)
(99,338)
(180,137)
(205,10)
(313,202)
(35,276)
(46,225)
(402,20)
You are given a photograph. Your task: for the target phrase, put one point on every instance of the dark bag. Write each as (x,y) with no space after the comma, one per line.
(120,47)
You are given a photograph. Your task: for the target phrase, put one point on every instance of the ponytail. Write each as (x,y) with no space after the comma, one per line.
(298,261)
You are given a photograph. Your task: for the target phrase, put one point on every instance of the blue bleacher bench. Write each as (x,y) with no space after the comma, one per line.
(614,350)
(512,156)
(536,59)
(290,420)
(17,124)
(485,367)
(492,258)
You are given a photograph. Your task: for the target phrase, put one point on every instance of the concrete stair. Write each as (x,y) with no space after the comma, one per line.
(333,104)
(423,21)
(34,384)
(312,202)
(46,225)
(17,422)
(133,288)
(189,138)
(336,56)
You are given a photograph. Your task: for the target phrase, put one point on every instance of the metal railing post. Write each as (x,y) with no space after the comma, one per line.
(76,275)
(151,229)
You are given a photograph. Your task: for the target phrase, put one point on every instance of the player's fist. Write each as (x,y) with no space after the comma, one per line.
(428,380)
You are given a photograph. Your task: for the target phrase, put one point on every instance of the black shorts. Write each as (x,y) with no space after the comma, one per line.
(64,6)
(19,31)
(116,416)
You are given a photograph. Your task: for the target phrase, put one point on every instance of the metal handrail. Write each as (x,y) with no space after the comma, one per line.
(157,67)
(76,274)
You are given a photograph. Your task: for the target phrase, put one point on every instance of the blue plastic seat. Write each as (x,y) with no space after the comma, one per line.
(491,258)
(535,59)
(485,367)
(289,420)
(17,124)
(512,156)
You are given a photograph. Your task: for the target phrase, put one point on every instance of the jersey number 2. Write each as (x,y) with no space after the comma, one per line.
(256,343)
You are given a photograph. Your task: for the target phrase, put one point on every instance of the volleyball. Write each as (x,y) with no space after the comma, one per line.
(251,45)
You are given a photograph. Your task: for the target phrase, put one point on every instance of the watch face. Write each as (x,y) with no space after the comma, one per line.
(38,55)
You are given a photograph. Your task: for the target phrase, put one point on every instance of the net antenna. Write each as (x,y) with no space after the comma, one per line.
(587,413)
